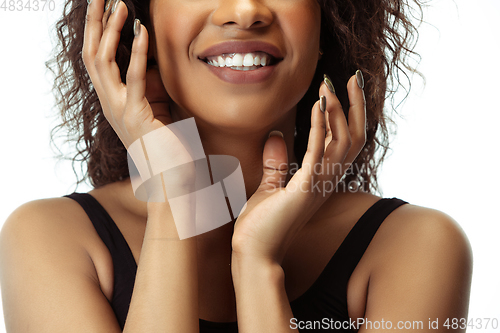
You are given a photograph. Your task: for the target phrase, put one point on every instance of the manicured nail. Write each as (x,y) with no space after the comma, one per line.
(328,83)
(360,80)
(275,133)
(137,27)
(115,5)
(322,103)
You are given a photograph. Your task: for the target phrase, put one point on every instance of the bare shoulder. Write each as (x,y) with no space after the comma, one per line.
(47,222)
(55,229)
(414,238)
(48,277)
(420,267)
(425,231)
(40,220)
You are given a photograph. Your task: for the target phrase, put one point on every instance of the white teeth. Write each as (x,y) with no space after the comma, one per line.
(248,61)
(239,61)
(256,61)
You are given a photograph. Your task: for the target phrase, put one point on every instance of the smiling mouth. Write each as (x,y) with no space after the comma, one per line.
(242,61)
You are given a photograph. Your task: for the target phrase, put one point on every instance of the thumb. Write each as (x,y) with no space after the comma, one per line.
(275,162)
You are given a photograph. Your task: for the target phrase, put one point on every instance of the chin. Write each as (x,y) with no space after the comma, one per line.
(236,112)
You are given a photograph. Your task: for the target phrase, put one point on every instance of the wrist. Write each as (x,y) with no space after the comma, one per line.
(160,223)
(160,207)
(254,270)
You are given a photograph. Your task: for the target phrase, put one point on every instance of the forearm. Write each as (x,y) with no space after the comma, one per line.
(261,300)
(165,296)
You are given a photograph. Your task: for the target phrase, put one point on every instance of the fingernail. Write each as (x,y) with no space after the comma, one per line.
(360,79)
(322,103)
(275,133)
(137,27)
(328,83)
(115,5)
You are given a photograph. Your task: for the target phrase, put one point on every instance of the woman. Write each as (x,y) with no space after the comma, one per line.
(280,266)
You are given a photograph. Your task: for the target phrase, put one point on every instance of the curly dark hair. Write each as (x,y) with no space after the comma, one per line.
(374,36)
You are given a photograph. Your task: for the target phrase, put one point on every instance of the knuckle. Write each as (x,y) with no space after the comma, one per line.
(323,126)
(88,18)
(346,142)
(99,62)
(133,76)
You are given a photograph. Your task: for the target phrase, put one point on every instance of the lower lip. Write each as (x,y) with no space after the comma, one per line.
(235,76)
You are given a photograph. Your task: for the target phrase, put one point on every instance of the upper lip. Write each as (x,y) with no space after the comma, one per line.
(241,47)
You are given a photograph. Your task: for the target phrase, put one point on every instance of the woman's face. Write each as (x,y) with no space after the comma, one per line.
(192,39)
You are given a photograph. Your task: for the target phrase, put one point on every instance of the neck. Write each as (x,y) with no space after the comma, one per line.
(246,145)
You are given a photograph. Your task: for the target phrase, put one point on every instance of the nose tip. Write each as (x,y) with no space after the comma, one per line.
(243,14)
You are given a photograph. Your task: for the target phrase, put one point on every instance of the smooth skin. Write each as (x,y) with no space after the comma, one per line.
(57,275)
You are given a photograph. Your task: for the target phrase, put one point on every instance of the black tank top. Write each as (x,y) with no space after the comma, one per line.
(326,298)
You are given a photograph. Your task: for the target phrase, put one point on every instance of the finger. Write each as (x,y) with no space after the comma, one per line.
(316,143)
(136,73)
(107,68)
(275,162)
(91,40)
(357,117)
(331,99)
(339,141)
(107,12)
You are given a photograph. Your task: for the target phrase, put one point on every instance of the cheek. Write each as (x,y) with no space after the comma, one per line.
(301,24)
(300,21)
(175,28)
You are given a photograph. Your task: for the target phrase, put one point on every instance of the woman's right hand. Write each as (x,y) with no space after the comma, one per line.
(140,106)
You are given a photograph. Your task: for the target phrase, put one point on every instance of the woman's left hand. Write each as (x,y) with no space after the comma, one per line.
(274,214)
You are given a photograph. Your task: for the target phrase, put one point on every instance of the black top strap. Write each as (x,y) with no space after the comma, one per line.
(327,297)
(124,264)
(356,242)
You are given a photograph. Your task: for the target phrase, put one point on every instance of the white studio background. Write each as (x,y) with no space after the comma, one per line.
(444,155)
